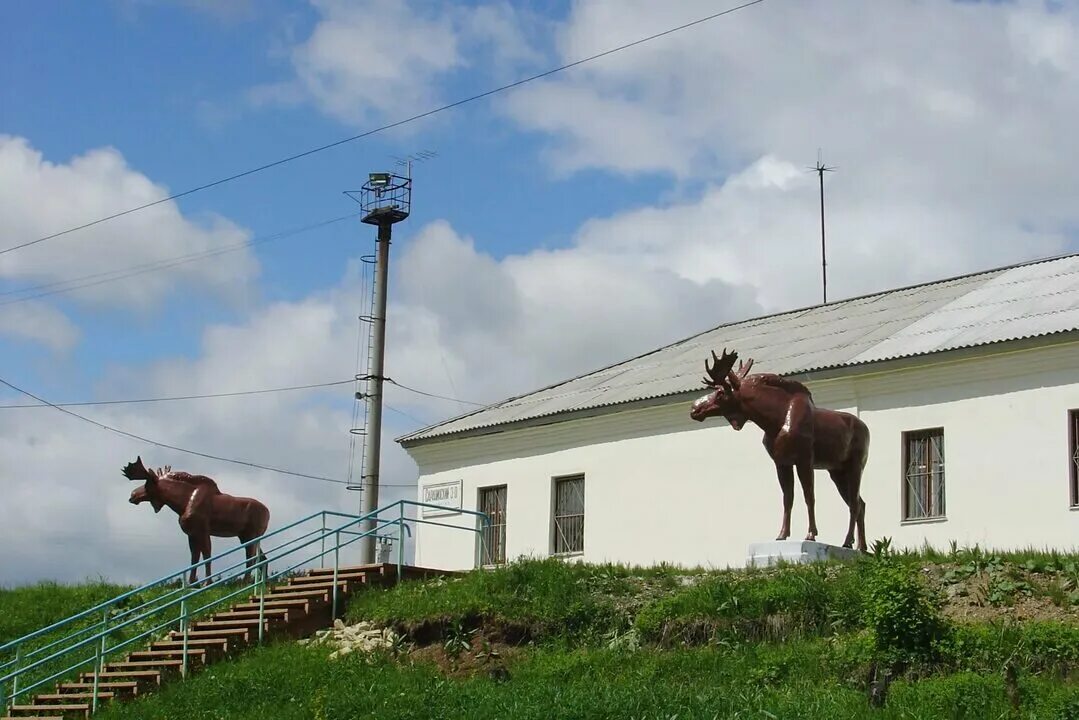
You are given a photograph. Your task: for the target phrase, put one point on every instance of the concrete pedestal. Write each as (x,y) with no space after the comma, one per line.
(764,554)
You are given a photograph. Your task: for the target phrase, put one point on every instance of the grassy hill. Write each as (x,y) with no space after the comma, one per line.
(960,635)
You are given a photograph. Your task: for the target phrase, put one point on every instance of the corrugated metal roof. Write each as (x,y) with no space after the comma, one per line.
(1011,303)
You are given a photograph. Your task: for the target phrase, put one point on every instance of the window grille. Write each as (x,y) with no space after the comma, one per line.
(569,515)
(923,495)
(1073,453)
(493,503)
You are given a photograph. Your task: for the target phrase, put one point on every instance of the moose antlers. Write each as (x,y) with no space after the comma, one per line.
(137,471)
(722,374)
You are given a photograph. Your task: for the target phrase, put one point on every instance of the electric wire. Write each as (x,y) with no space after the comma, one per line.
(170,398)
(433,395)
(383,128)
(168,446)
(184,397)
(108,276)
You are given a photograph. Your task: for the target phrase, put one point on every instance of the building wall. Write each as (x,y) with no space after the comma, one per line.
(660,487)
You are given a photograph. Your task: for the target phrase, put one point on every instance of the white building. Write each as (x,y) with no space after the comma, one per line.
(969,386)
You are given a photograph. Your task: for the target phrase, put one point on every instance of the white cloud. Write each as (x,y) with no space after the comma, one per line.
(950,124)
(39,197)
(482,329)
(40,323)
(372,60)
(371,57)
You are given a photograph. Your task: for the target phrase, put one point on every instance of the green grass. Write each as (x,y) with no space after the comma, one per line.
(28,608)
(789,680)
(789,602)
(540,598)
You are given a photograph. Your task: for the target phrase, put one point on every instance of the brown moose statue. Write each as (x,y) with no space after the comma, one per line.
(797,435)
(204,511)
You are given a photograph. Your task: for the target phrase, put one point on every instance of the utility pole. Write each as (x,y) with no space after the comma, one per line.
(385,199)
(820,169)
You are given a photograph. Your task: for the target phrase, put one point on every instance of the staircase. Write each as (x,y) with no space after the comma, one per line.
(44,673)
(295,608)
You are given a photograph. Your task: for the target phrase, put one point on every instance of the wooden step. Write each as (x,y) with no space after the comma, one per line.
(272,613)
(140,655)
(252,622)
(355,576)
(143,665)
(299,604)
(313,597)
(117,688)
(319,584)
(291,593)
(66,698)
(251,627)
(369,568)
(232,633)
(81,709)
(216,644)
(143,676)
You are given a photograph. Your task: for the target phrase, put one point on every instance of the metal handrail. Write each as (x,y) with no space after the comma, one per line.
(155,583)
(96,634)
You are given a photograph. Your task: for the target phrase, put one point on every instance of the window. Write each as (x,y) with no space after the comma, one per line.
(493,503)
(569,515)
(1073,455)
(923,462)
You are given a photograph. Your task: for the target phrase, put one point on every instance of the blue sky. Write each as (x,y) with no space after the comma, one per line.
(563,226)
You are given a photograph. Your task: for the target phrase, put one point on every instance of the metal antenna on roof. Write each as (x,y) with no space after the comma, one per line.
(820,169)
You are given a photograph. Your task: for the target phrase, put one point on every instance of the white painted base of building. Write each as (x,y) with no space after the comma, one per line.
(765,554)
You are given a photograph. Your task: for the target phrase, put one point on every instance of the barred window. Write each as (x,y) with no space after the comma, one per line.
(493,503)
(923,462)
(569,515)
(1073,454)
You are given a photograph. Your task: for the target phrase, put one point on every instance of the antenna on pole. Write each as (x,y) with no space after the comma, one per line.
(820,169)
(406,162)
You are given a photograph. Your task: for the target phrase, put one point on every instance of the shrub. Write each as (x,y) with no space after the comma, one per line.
(902,614)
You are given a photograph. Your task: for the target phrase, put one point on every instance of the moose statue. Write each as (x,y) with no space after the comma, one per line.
(204,511)
(797,435)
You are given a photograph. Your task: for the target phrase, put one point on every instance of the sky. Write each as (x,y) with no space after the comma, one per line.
(564,224)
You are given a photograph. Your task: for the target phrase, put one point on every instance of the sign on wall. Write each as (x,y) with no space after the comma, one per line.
(447,494)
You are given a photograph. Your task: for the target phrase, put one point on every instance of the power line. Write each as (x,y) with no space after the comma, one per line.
(433,395)
(167,446)
(413,418)
(383,128)
(237,393)
(182,397)
(108,276)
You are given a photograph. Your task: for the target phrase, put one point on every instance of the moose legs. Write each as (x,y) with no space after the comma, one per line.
(200,546)
(805,476)
(786,484)
(198,539)
(254,554)
(848,483)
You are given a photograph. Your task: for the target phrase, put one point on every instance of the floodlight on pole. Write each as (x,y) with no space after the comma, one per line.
(386,199)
